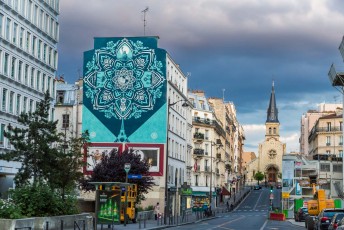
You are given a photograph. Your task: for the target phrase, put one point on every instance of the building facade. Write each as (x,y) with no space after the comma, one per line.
(271,151)
(135,97)
(29,33)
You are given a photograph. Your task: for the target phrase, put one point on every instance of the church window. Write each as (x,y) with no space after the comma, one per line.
(269,130)
(274,130)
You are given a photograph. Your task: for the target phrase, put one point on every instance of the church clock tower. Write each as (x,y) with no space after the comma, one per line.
(271,150)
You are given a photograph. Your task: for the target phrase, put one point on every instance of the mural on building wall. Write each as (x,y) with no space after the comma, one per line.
(125,91)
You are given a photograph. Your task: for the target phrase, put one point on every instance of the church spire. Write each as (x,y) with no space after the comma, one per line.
(272,115)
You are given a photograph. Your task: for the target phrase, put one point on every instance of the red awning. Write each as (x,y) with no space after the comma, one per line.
(225,192)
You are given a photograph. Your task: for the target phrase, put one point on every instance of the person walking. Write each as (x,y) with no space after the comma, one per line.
(227,206)
(156,211)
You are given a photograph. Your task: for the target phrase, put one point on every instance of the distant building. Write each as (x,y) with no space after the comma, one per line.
(308,121)
(271,151)
(29,33)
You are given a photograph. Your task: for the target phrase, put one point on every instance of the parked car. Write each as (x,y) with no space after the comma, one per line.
(257,187)
(300,214)
(336,221)
(323,220)
(279,186)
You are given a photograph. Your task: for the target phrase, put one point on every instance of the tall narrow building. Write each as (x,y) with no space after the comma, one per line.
(29,33)
(270,152)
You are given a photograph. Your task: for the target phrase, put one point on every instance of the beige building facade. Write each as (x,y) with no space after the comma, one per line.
(271,151)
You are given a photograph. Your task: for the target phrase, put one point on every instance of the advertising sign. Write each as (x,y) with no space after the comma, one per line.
(108,210)
(287,173)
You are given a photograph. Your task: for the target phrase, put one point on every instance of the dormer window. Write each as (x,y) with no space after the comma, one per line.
(60,97)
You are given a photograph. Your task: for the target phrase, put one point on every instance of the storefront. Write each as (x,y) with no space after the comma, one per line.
(185,198)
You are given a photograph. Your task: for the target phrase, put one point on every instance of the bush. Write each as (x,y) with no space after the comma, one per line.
(149,208)
(40,200)
(8,210)
(139,209)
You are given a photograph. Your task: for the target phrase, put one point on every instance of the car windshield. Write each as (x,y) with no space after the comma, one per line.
(339,216)
(305,209)
(330,214)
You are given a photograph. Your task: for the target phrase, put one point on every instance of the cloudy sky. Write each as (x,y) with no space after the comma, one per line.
(240,46)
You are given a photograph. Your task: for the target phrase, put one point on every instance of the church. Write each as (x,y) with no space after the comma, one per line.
(271,150)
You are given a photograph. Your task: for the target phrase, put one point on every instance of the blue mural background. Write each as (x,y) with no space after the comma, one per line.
(124,90)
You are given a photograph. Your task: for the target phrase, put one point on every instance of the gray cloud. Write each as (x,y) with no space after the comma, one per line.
(240,45)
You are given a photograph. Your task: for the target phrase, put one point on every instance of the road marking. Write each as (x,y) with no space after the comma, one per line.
(257,201)
(264,225)
(241,217)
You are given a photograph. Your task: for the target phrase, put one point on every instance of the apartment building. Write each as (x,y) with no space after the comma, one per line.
(29,33)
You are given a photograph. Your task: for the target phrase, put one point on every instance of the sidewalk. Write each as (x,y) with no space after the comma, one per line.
(302,224)
(189,219)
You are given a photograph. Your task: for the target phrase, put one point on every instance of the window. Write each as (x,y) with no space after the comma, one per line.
(15,4)
(21,38)
(29,10)
(328,140)
(28,35)
(340,153)
(13,67)
(341,126)
(11,102)
(274,130)
(51,27)
(2,129)
(39,49)
(35,15)
(269,130)
(49,56)
(18,104)
(341,140)
(196,180)
(8,27)
(45,53)
(32,77)
(337,168)
(25,105)
(38,79)
(325,167)
(4,99)
(46,22)
(6,64)
(31,106)
(26,74)
(328,126)
(1,19)
(20,68)
(14,35)
(43,83)
(34,45)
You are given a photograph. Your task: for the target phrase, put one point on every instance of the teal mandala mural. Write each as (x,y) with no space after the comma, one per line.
(125,90)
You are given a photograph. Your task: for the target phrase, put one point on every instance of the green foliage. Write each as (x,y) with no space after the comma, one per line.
(9,210)
(259,176)
(111,169)
(139,209)
(149,208)
(32,142)
(40,200)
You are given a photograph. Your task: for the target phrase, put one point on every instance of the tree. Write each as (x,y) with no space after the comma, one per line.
(259,176)
(66,172)
(32,142)
(111,169)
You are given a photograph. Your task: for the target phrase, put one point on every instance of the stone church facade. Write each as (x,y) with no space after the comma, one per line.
(270,152)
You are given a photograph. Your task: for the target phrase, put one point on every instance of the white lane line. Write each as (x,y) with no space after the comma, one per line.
(264,225)
(257,201)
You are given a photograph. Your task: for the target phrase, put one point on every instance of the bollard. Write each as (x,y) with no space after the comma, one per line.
(47,225)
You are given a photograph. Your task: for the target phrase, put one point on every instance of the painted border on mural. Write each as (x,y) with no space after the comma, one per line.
(159,147)
(90,154)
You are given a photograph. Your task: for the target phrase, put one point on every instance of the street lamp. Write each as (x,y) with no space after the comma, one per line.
(185,104)
(219,144)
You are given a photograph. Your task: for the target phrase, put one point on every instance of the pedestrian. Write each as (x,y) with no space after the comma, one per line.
(232,207)
(227,206)
(156,210)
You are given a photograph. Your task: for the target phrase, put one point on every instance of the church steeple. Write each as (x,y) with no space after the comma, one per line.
(272,115)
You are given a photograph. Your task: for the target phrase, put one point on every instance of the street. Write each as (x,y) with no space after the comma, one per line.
(251,214)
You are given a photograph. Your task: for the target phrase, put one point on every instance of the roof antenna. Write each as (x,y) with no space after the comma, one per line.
(144,20)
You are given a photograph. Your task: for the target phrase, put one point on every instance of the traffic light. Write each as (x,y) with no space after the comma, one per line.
(271,188)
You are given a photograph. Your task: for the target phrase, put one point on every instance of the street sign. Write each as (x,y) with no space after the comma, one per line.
(134,176)
(271,196)
(127,167)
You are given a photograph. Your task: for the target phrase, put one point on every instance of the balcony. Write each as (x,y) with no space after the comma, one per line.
(328,144)
(218,156)
(198,152)
(206,168)
(199,120)
(198,136)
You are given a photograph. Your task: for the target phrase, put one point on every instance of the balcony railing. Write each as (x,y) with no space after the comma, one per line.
(199,136)
(218,156)
(206,121)
(199,152)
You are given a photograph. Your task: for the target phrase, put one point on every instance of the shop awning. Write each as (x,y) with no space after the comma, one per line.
(225,191)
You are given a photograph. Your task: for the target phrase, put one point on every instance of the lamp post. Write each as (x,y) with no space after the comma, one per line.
(185,104)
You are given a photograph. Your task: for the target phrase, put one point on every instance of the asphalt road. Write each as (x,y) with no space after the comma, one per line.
(251,214)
